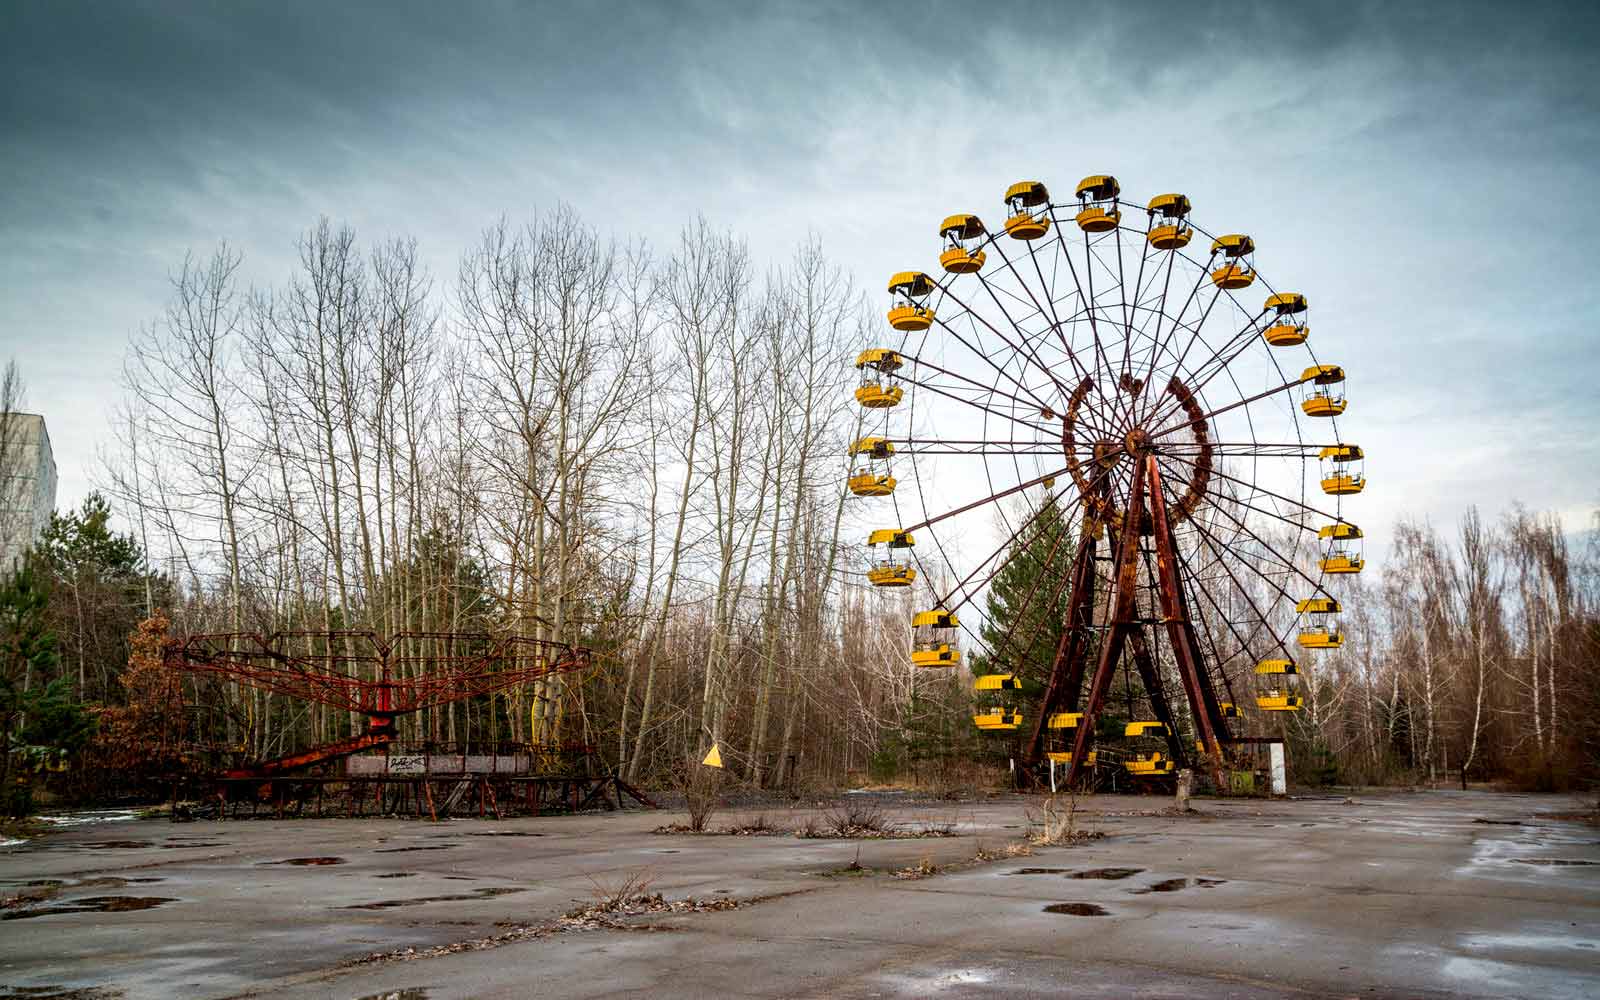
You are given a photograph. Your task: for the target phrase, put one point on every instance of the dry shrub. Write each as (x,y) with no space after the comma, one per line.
(853,818)
(702,788)
(623,891)
(1056,822)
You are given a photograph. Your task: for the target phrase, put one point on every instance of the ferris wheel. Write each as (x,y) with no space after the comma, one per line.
(1107,392)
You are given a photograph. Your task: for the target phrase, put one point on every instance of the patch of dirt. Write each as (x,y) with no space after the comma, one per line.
(1165,885)
(610,915)
(91,904)
(1078,909)
(1107,873)
(307,862)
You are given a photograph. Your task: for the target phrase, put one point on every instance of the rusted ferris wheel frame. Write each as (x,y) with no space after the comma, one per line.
(1054,372)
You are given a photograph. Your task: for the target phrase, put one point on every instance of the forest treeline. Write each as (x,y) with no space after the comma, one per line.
(584,440)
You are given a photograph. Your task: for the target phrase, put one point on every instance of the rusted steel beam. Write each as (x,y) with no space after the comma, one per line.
(1181,638)
(1122,613)
(1151,679)
(1066,672)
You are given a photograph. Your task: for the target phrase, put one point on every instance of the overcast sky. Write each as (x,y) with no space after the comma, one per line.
(1427,174)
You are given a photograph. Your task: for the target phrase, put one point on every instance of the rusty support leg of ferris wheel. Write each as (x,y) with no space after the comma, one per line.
(1066,671)
(1140,647)
(1122,611)
(1208,687)
(1179,635)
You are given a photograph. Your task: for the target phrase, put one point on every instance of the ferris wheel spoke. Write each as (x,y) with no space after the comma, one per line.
(1091,306)
(1206,417)
(1009,551)
(1244,338)
(918,363)
(991,498)
(1244,592)
(1316,585)
(999,369)
(1228,557)
(1011,266)
(957,397)
(1261,489)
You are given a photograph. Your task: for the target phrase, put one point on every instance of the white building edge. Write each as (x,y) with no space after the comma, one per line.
(27,485)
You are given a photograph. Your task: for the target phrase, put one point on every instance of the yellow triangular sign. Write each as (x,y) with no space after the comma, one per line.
(714,758)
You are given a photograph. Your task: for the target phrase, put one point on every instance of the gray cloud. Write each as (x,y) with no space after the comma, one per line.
(1423,171)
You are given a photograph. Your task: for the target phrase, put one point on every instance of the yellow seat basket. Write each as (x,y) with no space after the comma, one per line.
(891,576)
(910,319)
(1170,237)
(868,484)
(1027,227)
(1279,702)
(1286,334)
(1342,564)
(959,261)
(998,720)
(1320,640)
(876,397)
(939,656)
(1323,406)
(997,682)
(1145,764)
(1232,277)
(1065,757)
(1230,710)
(1063,720)
(1098,220)
(1342,485)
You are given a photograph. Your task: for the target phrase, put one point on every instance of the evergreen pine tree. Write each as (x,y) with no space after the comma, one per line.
(1022,639)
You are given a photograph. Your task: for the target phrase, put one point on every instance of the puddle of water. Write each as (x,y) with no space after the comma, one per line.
(395,875)
(1038,871)
(91,904)
(413,993)
(418,847)
(1078,909)
(303,862)
(1209,883)
(1165,885)
(1555,862)
(194,843)
(112,845)
(484,893)
(504,833)
(1107,873)
(58,993)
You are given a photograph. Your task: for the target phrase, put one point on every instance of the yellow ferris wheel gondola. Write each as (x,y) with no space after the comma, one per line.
(1274,678)
(908,310)
(1342,474)
(1285,330)
(1023,219)
(879,389)
(933,636)
(1323,401)
(1236,271)
(869,476)
(1343,554)
(1319,628)
(886,571)
(962,234)
(1097,200)
(1167,230)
